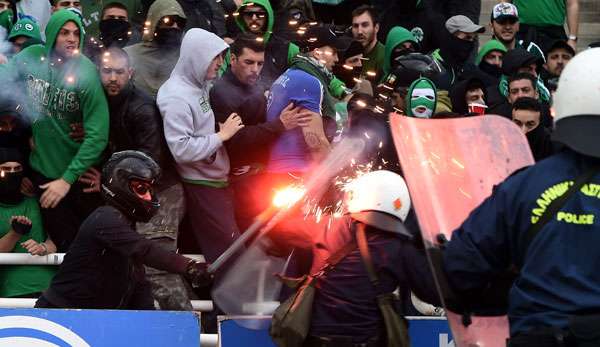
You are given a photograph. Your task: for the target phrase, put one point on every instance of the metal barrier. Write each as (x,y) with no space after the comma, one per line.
(54,258)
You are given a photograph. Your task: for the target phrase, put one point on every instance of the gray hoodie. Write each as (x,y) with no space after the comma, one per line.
(188,120)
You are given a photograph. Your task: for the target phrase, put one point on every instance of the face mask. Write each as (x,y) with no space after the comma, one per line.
(490,69)
(457,51)
(422,100)
(10,188)
(114,32)
(168,37)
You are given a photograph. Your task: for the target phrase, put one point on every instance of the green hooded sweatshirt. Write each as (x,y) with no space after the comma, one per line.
(395,37)
(490,46)
(292,48)
(58,95)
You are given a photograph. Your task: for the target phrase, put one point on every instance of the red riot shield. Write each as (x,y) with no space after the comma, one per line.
(451,166)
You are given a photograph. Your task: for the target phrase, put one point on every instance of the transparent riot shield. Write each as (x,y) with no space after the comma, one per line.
(451,166)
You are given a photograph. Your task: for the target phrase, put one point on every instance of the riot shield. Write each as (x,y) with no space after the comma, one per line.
(451,166)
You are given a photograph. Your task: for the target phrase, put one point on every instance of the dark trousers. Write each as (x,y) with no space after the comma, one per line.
(211,216)
(62,222)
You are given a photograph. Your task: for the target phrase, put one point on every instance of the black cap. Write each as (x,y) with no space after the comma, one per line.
(321,36)
(559,44)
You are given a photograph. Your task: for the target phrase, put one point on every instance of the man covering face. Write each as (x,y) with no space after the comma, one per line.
(422,100)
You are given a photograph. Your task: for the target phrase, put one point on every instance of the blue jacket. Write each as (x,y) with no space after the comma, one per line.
(560,273)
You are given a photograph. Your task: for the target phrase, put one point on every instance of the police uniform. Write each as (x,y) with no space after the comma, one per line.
(559,282)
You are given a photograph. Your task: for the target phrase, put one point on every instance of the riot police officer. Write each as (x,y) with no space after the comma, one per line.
(544,221)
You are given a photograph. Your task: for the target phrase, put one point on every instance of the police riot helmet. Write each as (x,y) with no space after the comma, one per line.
(379,199)
(128,180)
(577,119)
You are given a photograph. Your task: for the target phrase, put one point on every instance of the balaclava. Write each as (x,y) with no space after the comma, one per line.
(421,99)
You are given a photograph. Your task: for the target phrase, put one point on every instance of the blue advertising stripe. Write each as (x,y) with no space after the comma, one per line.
(254,331)
(104,327)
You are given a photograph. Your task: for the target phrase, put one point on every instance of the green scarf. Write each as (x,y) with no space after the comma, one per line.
(319,71)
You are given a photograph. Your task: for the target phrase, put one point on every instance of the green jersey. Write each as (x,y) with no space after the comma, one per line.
(542,12)
(376,58)
(19,280)
(60,94)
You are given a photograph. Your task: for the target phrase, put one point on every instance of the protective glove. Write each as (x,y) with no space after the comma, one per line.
(197,274)
(20,227)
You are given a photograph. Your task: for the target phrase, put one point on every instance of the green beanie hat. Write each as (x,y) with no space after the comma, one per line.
(491,45)
(25,27)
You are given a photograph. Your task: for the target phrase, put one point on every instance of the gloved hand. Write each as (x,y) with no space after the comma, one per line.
(20,224)
(197,274)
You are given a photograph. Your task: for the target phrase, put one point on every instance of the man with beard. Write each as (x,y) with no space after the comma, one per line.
(248,149)
(135,124)
(505,24)
(456,47)
(154,58)
(557,57)
(364,30)
(257,17)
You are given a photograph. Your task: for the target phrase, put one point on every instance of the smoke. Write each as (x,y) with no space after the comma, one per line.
(249,286)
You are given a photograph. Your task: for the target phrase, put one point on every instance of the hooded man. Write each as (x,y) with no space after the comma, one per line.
(154,58)
(489,61)
(399,42)
(527,114)
(23,34)
(200,155)
(469,91)
(62,88)
(257,17)
(455,48)
(421,99)
(21,231)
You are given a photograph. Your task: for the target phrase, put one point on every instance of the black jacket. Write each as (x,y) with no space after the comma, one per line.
(104,266)
(251,144)
(135,124)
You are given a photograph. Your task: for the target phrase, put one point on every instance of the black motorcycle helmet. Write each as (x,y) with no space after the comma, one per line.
(128,179)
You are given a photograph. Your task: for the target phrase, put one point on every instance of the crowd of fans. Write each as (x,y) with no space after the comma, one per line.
(235,98)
